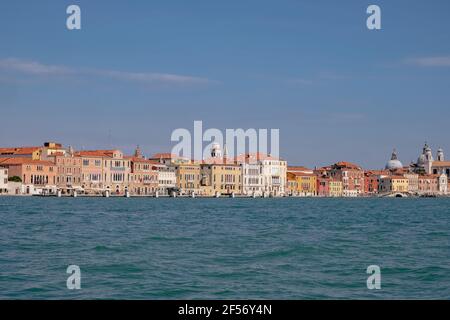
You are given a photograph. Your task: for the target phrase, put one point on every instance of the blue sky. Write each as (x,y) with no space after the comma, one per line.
(140,69)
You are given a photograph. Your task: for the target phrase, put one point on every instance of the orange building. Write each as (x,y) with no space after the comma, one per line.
(68,170)
(352,177)
(33,153)
(301,181)
(103,170)
(428,184)
(143,177)
(372,180)
(292,184)
(38,173)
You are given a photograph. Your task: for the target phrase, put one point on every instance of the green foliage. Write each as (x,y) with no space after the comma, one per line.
(15,179)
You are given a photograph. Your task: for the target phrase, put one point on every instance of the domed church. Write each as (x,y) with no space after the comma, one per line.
(427,164)
(394,163)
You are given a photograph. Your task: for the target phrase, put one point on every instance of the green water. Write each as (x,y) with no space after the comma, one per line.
(150,248)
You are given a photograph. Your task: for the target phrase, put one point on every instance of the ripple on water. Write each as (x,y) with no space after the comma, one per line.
(224,248)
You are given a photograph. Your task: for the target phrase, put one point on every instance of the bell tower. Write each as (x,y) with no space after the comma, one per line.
(137,152)
(428,158)
(440,155)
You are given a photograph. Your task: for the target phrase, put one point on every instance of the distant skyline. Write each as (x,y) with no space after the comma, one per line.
(139,70)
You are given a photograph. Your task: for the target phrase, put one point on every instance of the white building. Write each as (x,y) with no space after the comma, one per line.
(3,180)
(274,172)
(252,179)
(429,165)
(17,188)
(443,184)
(426,163)
(263,174)
(167,178)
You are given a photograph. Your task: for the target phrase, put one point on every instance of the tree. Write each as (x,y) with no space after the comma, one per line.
(14,179)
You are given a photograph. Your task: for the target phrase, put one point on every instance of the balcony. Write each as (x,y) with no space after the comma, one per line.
(118,169)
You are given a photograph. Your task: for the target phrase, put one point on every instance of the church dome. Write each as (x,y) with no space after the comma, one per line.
(394,163)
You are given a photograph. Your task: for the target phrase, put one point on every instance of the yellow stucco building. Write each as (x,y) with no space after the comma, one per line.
(221,179)
(301,184)
(292,184)
(188,178)
(307,184)
(393,184)
(335,188)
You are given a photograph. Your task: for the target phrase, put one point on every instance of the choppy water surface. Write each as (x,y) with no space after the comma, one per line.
(145,248)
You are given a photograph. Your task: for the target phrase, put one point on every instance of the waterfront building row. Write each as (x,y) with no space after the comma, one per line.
(52,168)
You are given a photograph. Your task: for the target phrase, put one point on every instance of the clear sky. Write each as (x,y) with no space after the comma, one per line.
(140,69)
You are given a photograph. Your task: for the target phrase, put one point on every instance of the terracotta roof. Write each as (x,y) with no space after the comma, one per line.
(345,164)
(298,168)
(96,153)
(19,150)
(142,160)
(164,156)
(429,176)
(376,172)
(400,171)
(441,164)
(57,154)
(20,161)
(398,177)
(301,173)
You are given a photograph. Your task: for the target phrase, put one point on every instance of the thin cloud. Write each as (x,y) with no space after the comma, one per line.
(443,61)
(150,77)
(35,68)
